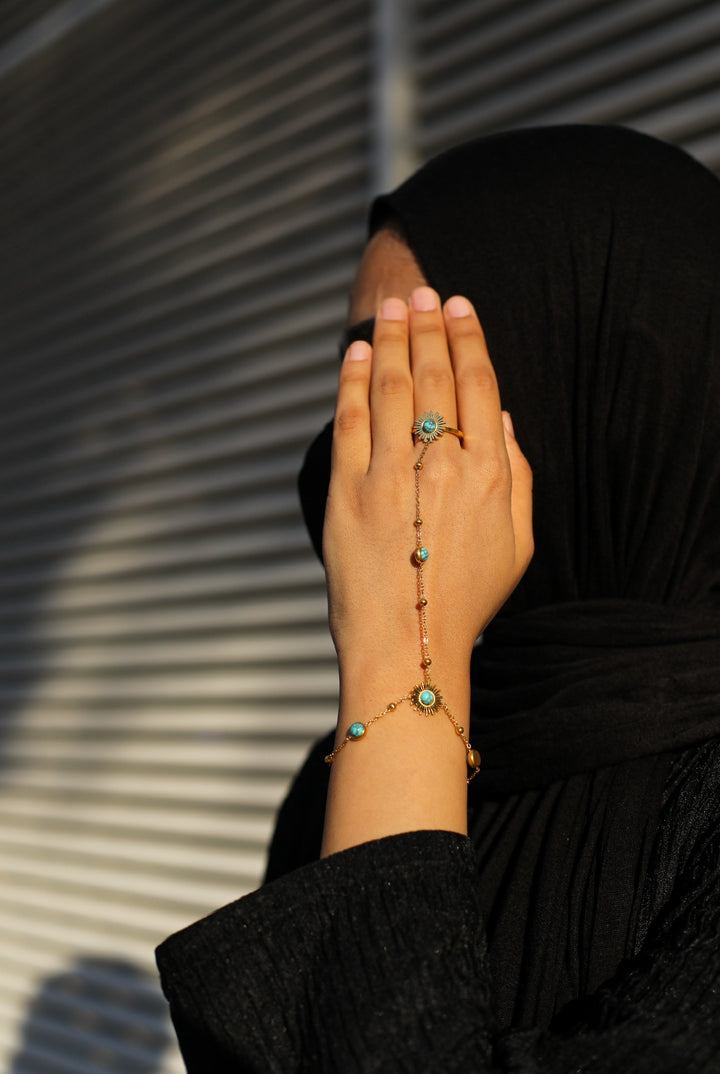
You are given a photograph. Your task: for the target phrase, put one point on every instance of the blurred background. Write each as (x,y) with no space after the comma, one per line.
(183,186)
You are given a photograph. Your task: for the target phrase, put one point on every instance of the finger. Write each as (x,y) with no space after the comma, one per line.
(352,444)
(521,495)
(478,398)
(433,379)
(391,393)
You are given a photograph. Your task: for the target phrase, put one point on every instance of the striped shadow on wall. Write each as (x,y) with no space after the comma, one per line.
(184,193)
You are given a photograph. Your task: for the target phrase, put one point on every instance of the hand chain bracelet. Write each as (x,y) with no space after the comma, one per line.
(425,698)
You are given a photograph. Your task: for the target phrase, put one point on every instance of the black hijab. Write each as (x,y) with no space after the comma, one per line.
(592,256)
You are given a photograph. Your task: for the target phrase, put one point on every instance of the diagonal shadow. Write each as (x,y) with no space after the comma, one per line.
(101,1016)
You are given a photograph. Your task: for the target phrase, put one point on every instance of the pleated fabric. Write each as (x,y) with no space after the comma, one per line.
(592,255)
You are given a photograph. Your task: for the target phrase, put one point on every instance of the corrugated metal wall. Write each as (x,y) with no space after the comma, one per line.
(648,64)
(182,187)
(183,190)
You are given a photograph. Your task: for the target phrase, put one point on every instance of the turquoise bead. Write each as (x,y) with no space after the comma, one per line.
(357,730)
(429,425)
(422,554)
(427,698)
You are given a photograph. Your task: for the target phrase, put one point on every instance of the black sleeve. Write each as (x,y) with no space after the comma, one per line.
(374,960)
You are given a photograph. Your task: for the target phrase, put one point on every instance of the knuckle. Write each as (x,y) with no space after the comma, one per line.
(437,377)
(445,468)
(348,419)
(480,377)
(465,328)
(496,473)
(389,332)
(393,383)
(428,326)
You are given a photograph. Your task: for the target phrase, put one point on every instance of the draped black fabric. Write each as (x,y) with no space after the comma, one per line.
(592,256)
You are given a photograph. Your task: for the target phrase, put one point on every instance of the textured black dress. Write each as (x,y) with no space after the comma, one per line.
(577,928)
(376,959)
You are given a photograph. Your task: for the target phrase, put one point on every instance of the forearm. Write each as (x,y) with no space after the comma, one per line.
(409,771)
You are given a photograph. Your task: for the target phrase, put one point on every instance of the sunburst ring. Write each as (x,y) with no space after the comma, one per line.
(426,698)
(431,426)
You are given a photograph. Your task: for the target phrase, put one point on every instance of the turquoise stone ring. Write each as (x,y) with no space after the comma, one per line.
(431,426)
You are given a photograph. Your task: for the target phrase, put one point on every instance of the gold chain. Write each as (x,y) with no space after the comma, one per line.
(425,698)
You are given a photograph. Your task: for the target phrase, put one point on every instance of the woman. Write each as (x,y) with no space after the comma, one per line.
(560,912)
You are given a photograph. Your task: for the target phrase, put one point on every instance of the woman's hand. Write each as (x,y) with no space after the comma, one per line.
(475,495)
(409,771)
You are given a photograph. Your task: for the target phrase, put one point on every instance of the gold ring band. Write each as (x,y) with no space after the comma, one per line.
(431,426)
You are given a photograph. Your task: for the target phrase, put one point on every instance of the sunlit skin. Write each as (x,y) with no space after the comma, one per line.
(408,772)
(387,269)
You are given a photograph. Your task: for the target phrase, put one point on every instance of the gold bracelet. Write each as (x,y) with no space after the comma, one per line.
(424,697)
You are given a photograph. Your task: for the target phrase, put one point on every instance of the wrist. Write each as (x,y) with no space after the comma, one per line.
(370,680)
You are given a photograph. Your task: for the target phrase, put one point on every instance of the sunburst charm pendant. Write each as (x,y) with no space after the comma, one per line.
(426,698)
(429,426)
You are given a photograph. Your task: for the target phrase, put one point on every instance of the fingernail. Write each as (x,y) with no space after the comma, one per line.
(423,299)
(393,309)
(358,351)
(457,306)
(507,422)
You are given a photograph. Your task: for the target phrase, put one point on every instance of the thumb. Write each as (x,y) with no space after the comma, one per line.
(521,495)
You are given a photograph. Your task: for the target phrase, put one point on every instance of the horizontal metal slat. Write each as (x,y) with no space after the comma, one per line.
(189,302)
(17,15)
(553,30)
(307,609)
(259,476)
(98,899)
(188,247)
(525,83)
(66,922)
(110,821)
(172,591)
(253,778)
(134,188)
(127,865)
(143,1002)
(304,717)
(148,62)
(272,682)
(155,228)
(681,120)
(168,339)
(643,99)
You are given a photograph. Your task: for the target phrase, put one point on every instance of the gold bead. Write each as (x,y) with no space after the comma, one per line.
(459,730)
(473,759)
(328,759)
(423,602)
(418,466)
(426,662)
(391,707)
(418,522)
